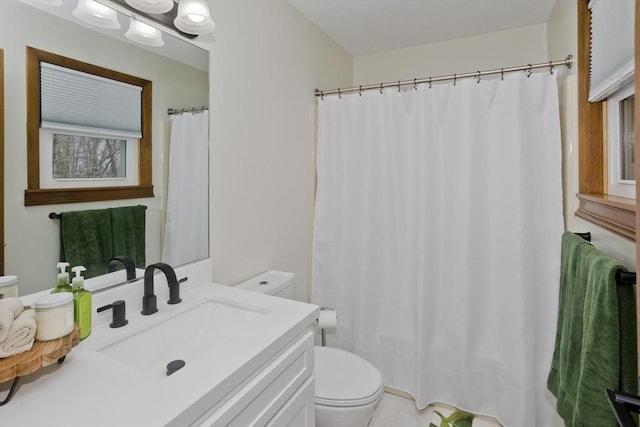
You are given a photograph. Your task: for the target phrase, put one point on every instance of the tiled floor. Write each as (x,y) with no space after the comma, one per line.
(396,411)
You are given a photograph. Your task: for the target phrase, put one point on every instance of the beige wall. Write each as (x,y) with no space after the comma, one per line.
(562,41)
(265,63)
(32,239)
(483,52)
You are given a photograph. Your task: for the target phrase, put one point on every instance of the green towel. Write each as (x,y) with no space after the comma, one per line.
(128,233)
(595,346)
(85,239)
(91,237)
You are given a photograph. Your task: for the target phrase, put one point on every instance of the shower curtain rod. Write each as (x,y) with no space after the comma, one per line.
(477,74)
(193,110)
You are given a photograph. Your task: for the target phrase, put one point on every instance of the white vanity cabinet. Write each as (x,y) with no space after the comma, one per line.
(280,393)
(249,362)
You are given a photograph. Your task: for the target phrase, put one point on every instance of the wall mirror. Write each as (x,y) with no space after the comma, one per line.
(179,74)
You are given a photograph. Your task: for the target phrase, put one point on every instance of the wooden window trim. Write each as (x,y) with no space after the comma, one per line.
(616,214)
(34,195)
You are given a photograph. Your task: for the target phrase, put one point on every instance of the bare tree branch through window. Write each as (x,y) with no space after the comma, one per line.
(85,157)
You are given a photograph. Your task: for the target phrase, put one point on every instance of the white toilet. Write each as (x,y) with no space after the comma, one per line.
(348,388)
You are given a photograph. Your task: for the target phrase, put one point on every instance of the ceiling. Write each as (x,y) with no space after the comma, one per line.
(368,26)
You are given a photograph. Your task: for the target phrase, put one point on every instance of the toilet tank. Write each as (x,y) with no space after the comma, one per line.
(272,282)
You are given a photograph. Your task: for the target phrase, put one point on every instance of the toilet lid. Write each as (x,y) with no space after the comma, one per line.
(344,379)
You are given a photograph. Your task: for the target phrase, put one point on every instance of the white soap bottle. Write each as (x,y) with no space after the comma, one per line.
(62,284)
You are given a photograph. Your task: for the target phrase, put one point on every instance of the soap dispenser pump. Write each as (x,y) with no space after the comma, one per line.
(81,303)
(62,284)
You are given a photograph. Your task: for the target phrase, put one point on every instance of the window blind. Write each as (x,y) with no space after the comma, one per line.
(612,39)
(74,100)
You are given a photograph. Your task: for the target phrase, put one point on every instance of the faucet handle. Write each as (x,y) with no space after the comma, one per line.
(119,313)
(174,291)
(149,305)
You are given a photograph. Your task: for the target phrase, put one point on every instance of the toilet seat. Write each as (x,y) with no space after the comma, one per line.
(344,379)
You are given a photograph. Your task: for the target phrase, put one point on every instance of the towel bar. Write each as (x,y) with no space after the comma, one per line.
(53,215)
(623,405)
(625,278)
(586,236)
(622,277)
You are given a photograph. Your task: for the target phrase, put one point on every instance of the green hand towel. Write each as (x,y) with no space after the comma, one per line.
(596,336)
(86,239)
(128,232)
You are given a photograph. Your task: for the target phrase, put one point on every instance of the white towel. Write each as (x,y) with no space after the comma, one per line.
(12,304)
(21,335)
(6,321)
(10,308)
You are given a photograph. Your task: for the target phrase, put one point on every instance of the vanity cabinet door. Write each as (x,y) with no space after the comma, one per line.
(263,396)
(299,411)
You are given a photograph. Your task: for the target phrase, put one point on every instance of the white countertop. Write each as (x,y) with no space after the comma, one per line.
(93,389)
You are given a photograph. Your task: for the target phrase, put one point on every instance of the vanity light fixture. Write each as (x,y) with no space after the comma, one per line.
(97,14)
(151,6)
(140,32)
(194,17)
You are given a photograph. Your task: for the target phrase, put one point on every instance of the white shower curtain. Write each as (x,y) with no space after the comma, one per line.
(186,236)
(437,239)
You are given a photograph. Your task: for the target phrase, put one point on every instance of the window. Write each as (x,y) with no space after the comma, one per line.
(597,205)
(88,132)
(71,159)
(621,163)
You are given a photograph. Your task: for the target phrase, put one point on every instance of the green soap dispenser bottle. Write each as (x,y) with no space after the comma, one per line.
(81,303)
(62,284)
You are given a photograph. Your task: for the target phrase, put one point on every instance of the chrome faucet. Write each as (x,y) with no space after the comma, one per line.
(129,266)
(149,300)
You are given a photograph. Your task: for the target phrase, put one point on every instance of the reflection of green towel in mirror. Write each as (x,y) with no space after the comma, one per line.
(128,233)
(92,237)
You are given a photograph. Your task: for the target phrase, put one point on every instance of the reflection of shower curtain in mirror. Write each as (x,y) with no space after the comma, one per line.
(437,239)
(186,236)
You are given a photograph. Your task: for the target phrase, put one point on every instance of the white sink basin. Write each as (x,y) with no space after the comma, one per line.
(189,335)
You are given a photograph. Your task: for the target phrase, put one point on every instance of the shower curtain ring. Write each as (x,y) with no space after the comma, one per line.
(398,85)
(501,73)
(478,77)
(455,77)
(529,70)
(550,67)
(360,91)
(321,95)
(415,85)
(339,94)
(381,88)
(429,82)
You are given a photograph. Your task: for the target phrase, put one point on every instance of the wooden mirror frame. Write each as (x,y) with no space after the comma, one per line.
(34,195)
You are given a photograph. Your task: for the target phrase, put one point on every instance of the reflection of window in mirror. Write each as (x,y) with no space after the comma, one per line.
(88,132)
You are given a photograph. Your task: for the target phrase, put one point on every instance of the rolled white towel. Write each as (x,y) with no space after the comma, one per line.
(6,321)
(21,335)
(10,308)
(12,304)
